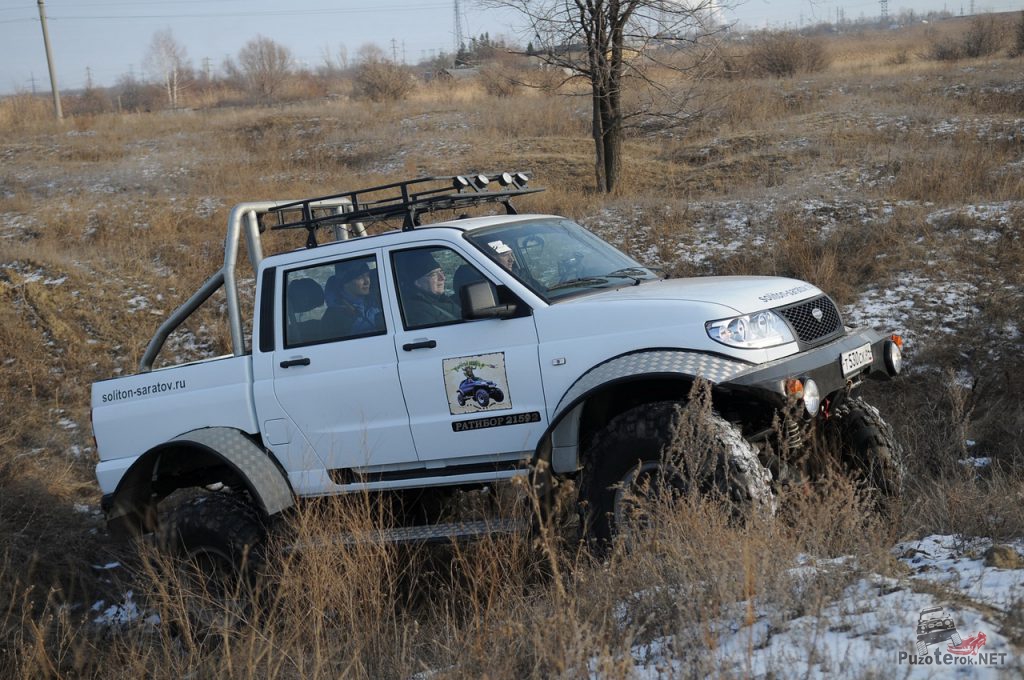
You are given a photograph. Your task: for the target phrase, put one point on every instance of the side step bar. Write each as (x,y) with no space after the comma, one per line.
(428,533)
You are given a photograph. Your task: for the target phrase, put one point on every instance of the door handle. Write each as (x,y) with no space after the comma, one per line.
(301,361)
(422,344)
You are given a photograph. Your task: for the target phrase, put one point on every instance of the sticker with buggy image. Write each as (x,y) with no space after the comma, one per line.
(476,383)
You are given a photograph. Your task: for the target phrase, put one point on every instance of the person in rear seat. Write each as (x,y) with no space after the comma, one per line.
(353,305)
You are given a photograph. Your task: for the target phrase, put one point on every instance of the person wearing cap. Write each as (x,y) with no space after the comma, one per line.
(423,298)
(506,258)
(351,309)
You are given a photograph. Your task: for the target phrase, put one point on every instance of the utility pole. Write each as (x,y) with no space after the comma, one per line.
(885,10)
(394,51)
(32,79)
(458,28)
(49,62)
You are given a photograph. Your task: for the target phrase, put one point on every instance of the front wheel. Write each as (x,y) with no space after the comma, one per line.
(629,464)
(482,398)
(867,447)
(497,395)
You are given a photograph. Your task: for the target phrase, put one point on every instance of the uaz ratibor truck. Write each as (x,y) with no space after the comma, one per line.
(576,357)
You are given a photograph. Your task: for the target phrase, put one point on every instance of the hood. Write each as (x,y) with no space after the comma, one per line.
(744,294)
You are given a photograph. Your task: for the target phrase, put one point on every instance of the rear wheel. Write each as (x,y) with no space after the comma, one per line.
(217,541)
(627,468)
(219,529)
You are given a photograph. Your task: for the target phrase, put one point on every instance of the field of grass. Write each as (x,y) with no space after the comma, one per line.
(892,181)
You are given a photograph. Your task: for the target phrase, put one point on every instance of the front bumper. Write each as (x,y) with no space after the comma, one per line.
(822,364)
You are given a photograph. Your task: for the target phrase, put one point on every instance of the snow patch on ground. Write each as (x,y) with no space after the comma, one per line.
(869,631)
(123,613)
(914,302)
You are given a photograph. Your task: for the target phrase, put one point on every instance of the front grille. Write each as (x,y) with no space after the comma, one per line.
(809,329)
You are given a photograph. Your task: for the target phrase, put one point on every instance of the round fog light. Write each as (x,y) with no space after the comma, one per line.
(893,357)
(812,397)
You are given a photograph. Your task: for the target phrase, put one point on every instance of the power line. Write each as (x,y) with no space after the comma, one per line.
(268,13)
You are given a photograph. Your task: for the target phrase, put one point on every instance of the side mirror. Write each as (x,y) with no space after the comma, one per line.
(480,301)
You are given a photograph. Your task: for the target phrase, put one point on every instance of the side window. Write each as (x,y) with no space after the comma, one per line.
(428,282)
(335,301)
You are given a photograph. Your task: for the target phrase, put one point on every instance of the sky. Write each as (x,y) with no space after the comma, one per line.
(105,39)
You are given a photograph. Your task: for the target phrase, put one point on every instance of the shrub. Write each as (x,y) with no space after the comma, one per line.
(983,38)
(499,81)
(383,81)
(1018,38)
(784,54)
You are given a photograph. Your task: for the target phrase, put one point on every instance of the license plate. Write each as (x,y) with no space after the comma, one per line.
(856,359)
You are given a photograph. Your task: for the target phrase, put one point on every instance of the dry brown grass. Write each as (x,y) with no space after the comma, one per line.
(508,607)
(108,219)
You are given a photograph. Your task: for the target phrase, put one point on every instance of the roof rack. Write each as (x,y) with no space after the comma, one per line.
(411,199)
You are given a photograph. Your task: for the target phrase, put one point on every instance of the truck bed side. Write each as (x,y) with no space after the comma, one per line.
(135,413)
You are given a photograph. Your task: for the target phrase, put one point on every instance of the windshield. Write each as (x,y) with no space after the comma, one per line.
(558,258)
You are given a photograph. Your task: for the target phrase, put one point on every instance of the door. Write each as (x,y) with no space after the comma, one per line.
(336,376)
(472,387)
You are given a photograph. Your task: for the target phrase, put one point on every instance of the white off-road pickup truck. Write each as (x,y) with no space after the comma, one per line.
(464,353)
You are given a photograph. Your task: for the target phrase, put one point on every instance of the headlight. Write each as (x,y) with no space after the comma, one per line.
(752,331)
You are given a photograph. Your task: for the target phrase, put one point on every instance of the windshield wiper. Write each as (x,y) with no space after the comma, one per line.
(578,282)
(636,274)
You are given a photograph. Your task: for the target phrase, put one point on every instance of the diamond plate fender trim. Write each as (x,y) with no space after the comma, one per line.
(715,369)
(269,485)
(562,450)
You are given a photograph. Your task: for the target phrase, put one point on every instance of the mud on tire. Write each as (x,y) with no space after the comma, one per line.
(628,458)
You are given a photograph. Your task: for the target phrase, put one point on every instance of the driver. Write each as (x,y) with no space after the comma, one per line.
(423,295)
(506,258)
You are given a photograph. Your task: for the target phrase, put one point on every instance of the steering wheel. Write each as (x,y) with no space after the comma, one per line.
(531,242)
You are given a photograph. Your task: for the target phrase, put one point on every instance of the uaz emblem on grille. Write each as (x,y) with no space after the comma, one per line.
(817,314)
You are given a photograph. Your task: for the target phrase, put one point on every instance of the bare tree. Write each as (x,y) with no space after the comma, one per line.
(167,61)
(334,62)
(612,44)
(264,65)
(370,53)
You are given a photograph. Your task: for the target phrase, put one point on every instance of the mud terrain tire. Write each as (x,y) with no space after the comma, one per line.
(628,452)
(217,540)
(219,529)
(867,447)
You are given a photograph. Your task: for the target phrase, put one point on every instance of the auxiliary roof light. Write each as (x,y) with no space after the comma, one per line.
(520,179)
(481,181)
(460,183)
(504,179)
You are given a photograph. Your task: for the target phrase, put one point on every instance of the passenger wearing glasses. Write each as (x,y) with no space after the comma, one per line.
(423,290)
